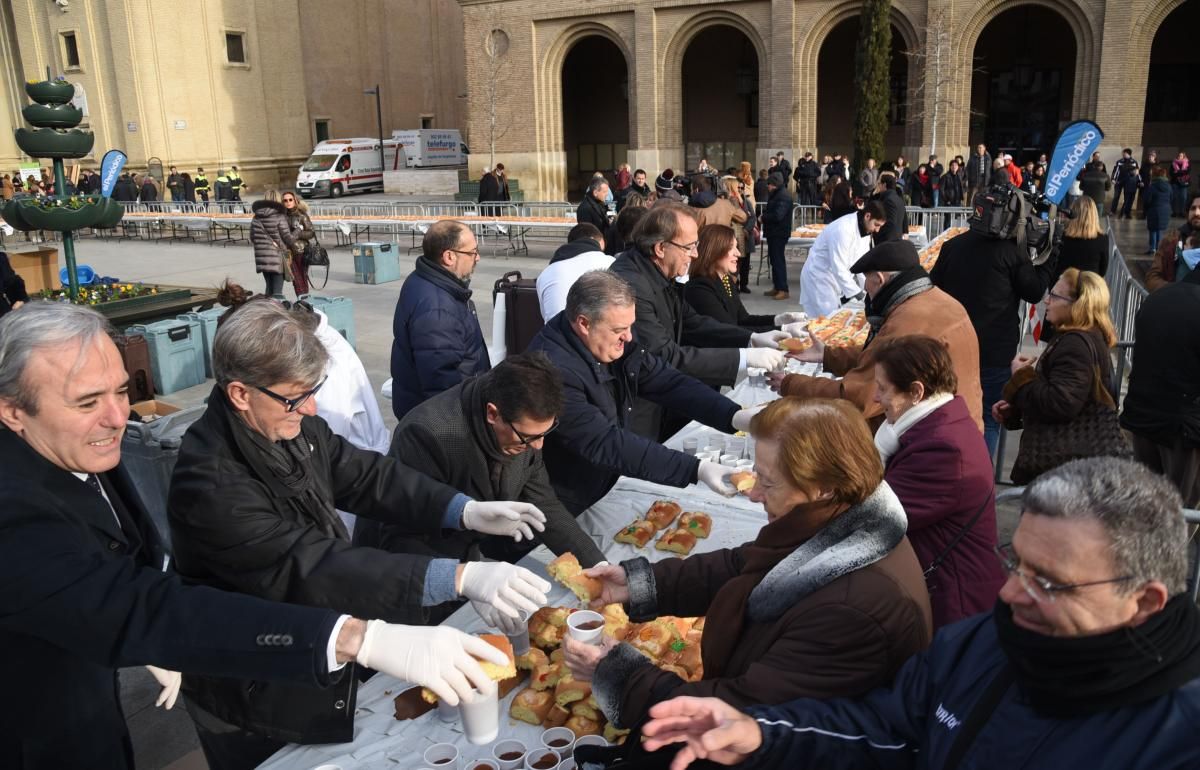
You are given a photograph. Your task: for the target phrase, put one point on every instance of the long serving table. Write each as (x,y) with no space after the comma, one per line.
(380,741)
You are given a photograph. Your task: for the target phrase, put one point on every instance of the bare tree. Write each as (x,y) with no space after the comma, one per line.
(495,49)
(936,77)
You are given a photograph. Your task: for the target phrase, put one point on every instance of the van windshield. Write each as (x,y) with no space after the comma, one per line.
(319,163)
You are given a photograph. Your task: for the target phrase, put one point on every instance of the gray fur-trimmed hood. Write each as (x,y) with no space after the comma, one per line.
(861,536)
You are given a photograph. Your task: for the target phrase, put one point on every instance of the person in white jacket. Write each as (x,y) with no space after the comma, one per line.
(826,282)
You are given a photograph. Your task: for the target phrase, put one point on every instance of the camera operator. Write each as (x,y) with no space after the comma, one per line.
(989,276)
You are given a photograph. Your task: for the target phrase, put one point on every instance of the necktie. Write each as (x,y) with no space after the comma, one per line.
(93,481)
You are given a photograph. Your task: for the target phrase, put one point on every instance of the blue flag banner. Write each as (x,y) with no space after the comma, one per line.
(110,169)
(1075,146)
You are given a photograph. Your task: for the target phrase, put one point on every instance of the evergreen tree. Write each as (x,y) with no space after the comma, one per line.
(872,81)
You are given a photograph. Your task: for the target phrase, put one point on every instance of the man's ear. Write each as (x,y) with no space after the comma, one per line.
(238,394)
(492,412)
(12,416)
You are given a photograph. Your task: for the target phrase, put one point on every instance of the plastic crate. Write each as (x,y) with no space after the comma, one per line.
(208,331)
(376,262)
(135,355)
(176,353)
(148,453)
(339,310)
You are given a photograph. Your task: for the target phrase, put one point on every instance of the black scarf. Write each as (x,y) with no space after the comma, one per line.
(475,409)
(903,286)
(1065,678)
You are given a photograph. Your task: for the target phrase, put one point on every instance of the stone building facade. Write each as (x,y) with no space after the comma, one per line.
(255,83)
(1008,72)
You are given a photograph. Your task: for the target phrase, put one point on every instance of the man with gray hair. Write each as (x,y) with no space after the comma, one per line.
(604,369)
(82,568)
(1090,659)
(252,508)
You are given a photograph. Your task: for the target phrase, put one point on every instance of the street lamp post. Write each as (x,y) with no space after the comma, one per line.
(379,120)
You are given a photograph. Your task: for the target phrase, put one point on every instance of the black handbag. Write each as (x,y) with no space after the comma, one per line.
(315,255)
(1095,432)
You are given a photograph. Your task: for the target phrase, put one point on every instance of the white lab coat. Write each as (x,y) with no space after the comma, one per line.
(347,402)
(826,277)
(557,279)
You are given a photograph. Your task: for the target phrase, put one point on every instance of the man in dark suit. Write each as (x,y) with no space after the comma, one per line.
(82,570)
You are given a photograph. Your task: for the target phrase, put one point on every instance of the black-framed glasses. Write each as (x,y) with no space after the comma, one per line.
(1039,588)
(1052,295)
(527,440)
(474,253)
(292,404)
(690,248)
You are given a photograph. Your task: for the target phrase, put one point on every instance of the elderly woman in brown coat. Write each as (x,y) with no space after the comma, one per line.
(828,601)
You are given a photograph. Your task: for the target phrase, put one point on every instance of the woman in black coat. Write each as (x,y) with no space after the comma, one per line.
(1084,244)
(712,287)
(12,287)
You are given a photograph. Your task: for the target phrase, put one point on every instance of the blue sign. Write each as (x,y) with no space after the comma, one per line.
(1075,146)
(110,169)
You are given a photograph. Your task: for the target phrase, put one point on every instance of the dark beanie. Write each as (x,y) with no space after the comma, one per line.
(665,180)
(888,257)
(775,179)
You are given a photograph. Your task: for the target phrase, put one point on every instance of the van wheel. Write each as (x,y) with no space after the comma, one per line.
(335,191)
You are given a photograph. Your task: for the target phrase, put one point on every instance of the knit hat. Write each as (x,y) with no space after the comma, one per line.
(665,181)
(888,257)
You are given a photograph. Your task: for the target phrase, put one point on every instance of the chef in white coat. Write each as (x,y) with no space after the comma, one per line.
(826,282)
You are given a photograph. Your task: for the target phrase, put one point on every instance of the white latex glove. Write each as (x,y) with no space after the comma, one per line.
(715,476)
(170,681)
(504,517)
(505,587)
(742,417)
(438,657)
(497,619)
(764,358)
(767,339)
(790,318)
(797,329)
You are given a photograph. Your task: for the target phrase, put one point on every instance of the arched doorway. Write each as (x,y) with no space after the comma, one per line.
(1172,120)
(595,93)
(1023,81)
(835,94)
(720,98)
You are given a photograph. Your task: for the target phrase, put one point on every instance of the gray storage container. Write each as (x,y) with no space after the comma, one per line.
(149,451)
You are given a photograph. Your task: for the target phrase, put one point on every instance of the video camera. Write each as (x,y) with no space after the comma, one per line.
(1005,211)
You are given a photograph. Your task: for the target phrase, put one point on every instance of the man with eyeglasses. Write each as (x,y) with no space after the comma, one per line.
(484,437)
(253,509)
(665,242)
(1090,659)
(437,342)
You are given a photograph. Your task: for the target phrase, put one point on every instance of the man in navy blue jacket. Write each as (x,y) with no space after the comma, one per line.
(437,340)
(1091,657)
(604,369)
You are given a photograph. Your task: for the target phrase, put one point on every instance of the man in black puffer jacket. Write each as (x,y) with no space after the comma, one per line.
(896,224)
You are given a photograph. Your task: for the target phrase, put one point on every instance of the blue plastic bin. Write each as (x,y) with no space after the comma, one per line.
(208,330)
(340,311)
(376,262)
(176,353)
(84,273)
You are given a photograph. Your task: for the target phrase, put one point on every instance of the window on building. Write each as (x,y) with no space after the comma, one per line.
(321,130)
(70,50)
(235,47)
(426,121)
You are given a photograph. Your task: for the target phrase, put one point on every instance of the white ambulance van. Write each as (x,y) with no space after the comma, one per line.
(340,166)
(430,147)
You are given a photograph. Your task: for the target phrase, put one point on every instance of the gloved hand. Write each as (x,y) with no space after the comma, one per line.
(438,657)
(767,339)
(497,619)
(790,318)
(714,476)
(764,358)
(506,587)
(503,517)
(170,681)
(797,329)
(742,417)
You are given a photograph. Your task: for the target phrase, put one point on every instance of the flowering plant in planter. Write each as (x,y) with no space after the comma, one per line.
(100,293)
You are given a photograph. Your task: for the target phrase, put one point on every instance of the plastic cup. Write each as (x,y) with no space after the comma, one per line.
(443,756)
(520,640)
(744,465)
(560,739)
(542,759)
(718,444)
(712,449)
(567,764)
(582,618)
(481,715)
(483,764)
(590,740)
(506,748)
(691,446)
(729,460)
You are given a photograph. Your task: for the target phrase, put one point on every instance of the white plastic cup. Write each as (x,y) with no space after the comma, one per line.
(585,635)
(590,740)
(520,640)
(443,756)
(567,764)
(509,747)
(481,715)
(560,739)
(691,446)
(729,460)
(744,465)
(483,764)
(538,760)
(718,443)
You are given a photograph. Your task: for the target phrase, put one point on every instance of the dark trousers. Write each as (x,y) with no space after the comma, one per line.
(229,747)
(744,270)
(992,379)
(1129,193)
(1179,200)
(776,246)
(1180,463)
(274,283)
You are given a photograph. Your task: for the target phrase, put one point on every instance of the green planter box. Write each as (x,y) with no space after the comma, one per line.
(111,212)
(62,218)
(52,115)
(12,214)
(51,91)
(53,143)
